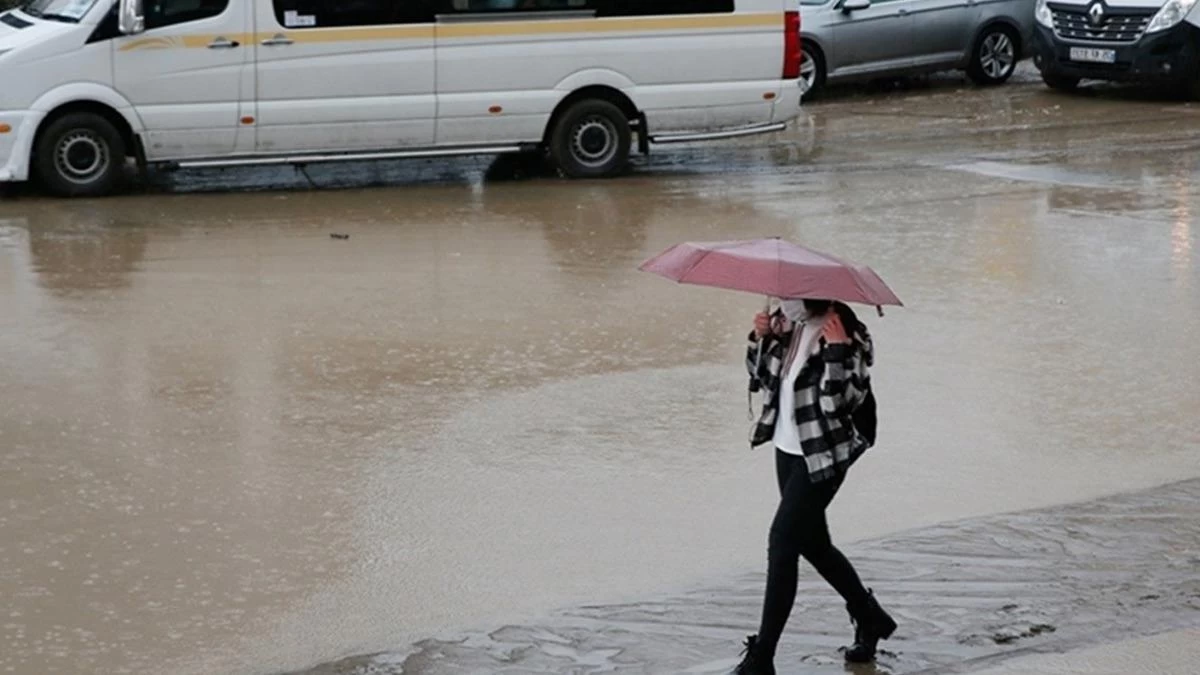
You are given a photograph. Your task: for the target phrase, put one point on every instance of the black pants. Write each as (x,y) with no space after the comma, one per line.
(800,529)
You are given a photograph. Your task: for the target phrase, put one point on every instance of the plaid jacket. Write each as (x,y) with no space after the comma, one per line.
(831,385)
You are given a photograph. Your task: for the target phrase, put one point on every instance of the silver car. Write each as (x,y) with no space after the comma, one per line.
(846,40)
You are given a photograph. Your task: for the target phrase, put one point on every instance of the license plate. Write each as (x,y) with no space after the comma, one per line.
(1093,55)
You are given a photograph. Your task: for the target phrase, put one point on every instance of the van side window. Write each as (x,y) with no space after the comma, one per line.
(162,13)
(295,14)
(599,7)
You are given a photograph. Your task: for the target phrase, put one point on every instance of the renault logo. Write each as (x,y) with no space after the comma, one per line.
(1096,13)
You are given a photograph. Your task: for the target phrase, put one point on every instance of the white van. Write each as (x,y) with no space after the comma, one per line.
(1142,41)
(85,84)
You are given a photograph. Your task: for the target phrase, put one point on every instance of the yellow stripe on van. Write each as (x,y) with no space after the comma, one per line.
(184,41)
(480,29)
(312,35)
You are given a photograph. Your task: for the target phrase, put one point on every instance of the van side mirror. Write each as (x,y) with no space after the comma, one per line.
(855,6)
(130,20)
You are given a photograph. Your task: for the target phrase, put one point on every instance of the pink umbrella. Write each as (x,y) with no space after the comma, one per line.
(774,268)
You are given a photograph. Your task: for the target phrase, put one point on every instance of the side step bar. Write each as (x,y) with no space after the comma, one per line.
(283,160)
(465,151)
(666,139)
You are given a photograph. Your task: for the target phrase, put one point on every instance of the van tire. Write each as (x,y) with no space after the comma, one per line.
(591,139)
(1060,82)
(80,155)
(1191,89)
(994,56)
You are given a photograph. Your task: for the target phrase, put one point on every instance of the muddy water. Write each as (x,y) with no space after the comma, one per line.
(234,444)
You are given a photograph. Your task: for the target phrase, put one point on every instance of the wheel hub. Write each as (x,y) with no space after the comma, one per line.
(594,142)
(81,156)
(997,55)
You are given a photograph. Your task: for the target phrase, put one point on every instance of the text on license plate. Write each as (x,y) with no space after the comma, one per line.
(1093,55)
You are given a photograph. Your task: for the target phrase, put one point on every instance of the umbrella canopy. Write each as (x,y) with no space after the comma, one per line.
(772,267)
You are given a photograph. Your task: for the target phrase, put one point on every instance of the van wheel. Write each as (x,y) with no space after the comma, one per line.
(994,58)
(1060,82)
(80,155)
(591,140)
(1191,92)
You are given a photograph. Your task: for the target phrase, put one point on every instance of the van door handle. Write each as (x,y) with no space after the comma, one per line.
(902,12)
(280,40)
(224,43)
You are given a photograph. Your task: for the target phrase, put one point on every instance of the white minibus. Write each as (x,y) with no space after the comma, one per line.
(87,85)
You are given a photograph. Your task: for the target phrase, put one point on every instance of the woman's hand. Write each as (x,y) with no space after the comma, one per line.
(834,332)
(762,325)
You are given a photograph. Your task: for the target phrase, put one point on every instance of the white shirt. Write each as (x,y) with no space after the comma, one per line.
(804,343)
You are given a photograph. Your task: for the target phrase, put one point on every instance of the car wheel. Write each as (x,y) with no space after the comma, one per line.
(80,155)
(1060,82)
(994,57)
(812,72)
(591,139)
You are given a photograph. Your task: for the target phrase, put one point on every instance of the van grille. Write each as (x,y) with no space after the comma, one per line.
(1126,26)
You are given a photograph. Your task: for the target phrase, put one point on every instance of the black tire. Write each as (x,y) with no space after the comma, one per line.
(591,139)
(1060,82)
(80,155)
(994,56)
(1191,89)
(814,56)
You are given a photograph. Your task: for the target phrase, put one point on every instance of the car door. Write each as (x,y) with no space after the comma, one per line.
(344,75)
(185,76)
(878,38)
(943,30)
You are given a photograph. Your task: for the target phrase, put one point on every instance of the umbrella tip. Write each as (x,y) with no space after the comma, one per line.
(879,308)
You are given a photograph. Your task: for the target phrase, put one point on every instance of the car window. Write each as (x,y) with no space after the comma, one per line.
(161,13)
(343,13)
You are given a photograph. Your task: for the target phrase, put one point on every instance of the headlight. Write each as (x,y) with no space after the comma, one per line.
(1170,15)
(1042,12)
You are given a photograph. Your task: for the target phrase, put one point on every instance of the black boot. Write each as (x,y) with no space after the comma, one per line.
(753,663)
(871,624)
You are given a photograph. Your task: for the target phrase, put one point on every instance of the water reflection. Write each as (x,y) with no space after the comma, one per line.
(78,248)
(1181,233)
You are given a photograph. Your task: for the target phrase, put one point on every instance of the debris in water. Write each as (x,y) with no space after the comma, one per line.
(335,235)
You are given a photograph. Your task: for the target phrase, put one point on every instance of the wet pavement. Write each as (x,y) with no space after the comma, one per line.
(966,594)
(234,444)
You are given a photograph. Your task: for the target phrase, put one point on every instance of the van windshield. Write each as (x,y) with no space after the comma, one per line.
(58,10)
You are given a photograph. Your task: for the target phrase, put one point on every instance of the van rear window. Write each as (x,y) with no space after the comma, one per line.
(343,13)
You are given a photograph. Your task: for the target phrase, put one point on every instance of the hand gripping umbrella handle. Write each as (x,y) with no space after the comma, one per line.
(758,360)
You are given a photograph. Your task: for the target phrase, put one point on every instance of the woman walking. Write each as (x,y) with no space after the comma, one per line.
(810,360)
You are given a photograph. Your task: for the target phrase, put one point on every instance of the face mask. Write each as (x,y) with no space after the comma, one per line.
(794,310)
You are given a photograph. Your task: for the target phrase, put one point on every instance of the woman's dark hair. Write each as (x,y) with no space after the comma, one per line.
(847,315)
(818,307)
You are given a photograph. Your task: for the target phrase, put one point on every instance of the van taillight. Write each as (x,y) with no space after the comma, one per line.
(791,46)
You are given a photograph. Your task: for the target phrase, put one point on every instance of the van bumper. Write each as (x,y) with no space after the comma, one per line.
(1169,56)
(787,106)
(16,146)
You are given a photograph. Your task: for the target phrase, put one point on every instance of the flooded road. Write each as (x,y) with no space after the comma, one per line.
(234,444)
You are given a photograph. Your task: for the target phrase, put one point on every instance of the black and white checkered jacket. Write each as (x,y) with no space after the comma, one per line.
(831,385)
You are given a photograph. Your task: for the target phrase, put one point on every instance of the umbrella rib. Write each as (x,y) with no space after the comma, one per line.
(694,265)
(778,266)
